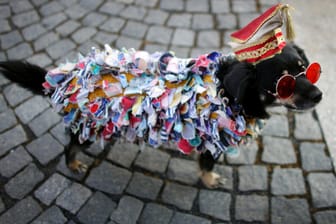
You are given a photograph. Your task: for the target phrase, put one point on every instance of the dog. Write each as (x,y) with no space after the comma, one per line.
(247,89)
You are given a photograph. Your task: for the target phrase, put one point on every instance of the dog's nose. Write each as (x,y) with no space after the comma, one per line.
(316,96)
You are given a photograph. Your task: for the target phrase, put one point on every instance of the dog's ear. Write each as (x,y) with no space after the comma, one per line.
(241,83)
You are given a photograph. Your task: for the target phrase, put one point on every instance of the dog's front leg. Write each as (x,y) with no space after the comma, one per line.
(209,178)
(70,154)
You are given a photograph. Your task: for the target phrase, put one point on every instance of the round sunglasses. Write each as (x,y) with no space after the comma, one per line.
(286,84)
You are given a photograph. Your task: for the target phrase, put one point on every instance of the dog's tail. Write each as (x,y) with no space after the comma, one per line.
(25,74)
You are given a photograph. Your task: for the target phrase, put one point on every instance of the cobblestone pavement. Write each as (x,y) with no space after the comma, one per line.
(285,176)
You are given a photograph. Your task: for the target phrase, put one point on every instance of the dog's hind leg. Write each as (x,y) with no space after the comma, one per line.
(209,178)
(70,154)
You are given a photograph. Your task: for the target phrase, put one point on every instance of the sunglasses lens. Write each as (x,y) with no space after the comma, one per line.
(285,86)
(313,72)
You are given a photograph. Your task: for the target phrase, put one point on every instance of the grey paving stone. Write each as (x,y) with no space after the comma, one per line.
(31,108)
(323,189)
(10,39)
(179,195)
(128,43)
(45,148)
(325,217)
(197,6)
(4,26)
(76,11)
(14,161)
(112,8)
(12,138)
(67,27)
(247,154)
(155,48)
(39,2)
(45,40)
(83,34)
(135,29)
(60,48)
(287,181)
(202,21)
(133,12)
(144,186)
(60,134)
(252,208)
(306,127)
(183,37)
(74,197)
(208,39)
(173,5)
(226,21)
(128,211)
(25,18)
(153,160)
(7,120)
(184,218)
(181,52)
(92,5)
(43,122)
(290,210)
(50,22)
(51,8)
(215,203)
(148,3)
(2,206)
(62,167)
(51,188)
(159,34)
(103,37)
(243,6)
(51,215)
(40,59)
(180,20)
(32,32)
(3,104)
(123,154)
(314,158)
(25,181)
(22,212)
(20,52)
(227,173)
(5,11)
(155,16)
(20,6)
(183,170)
(94,19)
(278,150)
(95,149)
(252,178)
(154,213)
(108,178)
(97,209)
(220,6)
(277,125)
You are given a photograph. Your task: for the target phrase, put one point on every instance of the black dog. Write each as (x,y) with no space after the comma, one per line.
(251,86)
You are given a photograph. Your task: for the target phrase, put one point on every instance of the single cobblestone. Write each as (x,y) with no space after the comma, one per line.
(220,6)
(172,5)
(247,154)
(252,178)
(14,161)
(183,37)
(10,39)
(33,32)
(242,6)
(108,178)
(112,8)
(208,39)
(290,211)
(133,12)
(45,148)
(51,215)
(52,188)
(51,8)
(144,186)
(154,213)
(306,127)
(20,185)
(323,189)
(183,218)
(60,48)
(7,119)
(215,203)
(135,29)
(155,16)
(153,160)
(94,19)
(22,212)
(277,125)
(12,138)
(20,52)
(197,6)
(43,122)
(159,34)
(97,209)
(60,134)
(278,150)
(179,195)
(83,35)
(226,21)
(287,181)
(180,20)
(123,154)
(67,27)
(20,6)
(50,22)
(314,158)
(26,18)
(73,198)
(202,21)
(183,170)
(325,217)
(252,208)
(128,211)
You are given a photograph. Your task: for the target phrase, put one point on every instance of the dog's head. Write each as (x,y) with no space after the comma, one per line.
(256,86)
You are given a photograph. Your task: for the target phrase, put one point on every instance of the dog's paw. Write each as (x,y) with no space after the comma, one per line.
(78,166)
(212,180)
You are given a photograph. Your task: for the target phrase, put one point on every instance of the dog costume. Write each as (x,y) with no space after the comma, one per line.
(156,98)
